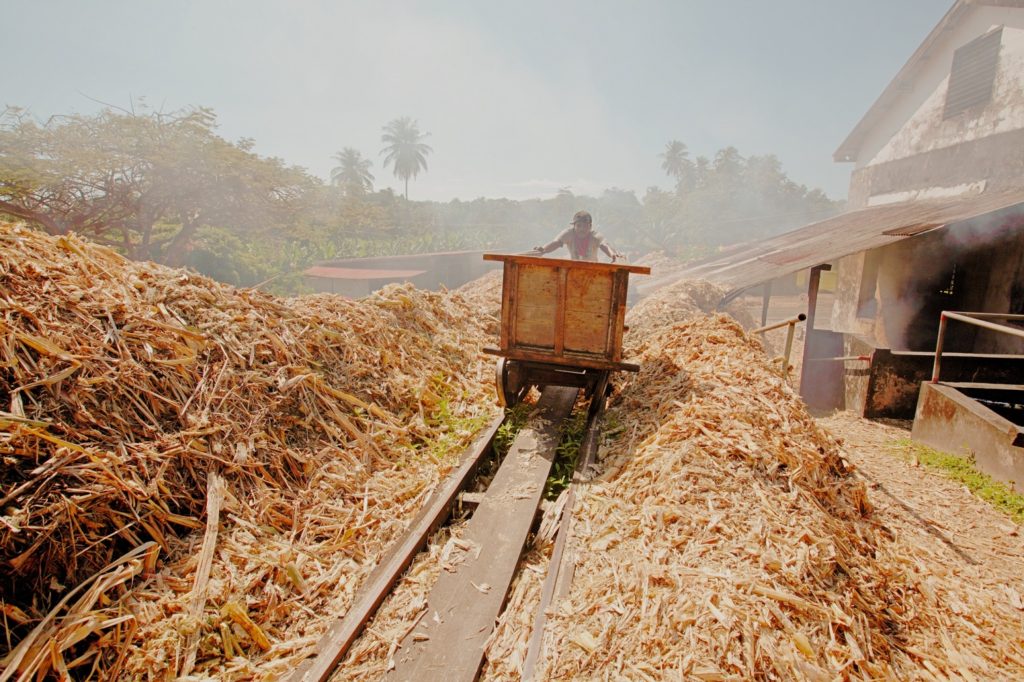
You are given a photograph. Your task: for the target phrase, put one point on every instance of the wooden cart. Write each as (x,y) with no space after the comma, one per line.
(561,323)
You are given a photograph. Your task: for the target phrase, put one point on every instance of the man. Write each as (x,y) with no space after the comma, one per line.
(581,240)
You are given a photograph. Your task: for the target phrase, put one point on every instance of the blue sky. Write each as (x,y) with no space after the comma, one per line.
(521,98)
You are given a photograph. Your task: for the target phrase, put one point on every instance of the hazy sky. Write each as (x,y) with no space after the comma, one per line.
(520,97)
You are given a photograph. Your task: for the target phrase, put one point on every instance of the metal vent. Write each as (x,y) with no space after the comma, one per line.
(973,73)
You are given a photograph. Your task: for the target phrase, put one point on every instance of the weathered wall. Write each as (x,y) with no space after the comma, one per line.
(912,152)
(990,164)
(1004,291)
(882,292)
(850,314)
(856,373)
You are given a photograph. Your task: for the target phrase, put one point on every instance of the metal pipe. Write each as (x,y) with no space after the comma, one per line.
(938,346)
(971,318)
(791,321)
(992,316)
(843,358)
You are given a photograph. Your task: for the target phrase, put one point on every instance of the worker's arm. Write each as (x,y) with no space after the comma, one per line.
(612,253)
(547,248)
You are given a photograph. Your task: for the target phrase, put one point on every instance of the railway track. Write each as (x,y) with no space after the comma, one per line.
(447,643)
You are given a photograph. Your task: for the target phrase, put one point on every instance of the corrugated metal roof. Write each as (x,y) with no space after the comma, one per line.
(359,273)
(757,262)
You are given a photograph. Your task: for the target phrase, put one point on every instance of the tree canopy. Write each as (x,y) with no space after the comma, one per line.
(145,183)
(166,187)
(353,172)
(724,200)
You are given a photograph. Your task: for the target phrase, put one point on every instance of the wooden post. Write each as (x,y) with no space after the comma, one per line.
(765,301)
(812,305)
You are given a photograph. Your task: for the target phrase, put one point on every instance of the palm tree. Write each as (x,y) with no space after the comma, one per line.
(674,160)
(353,174)
(406,154)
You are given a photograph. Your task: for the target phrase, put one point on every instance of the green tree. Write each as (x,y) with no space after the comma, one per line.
(405,151)
(145,183)
(353,173)
(675,159)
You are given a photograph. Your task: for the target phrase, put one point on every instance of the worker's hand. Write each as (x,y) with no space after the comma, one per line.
(539,250)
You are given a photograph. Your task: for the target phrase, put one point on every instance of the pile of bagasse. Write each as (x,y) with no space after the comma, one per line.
(197,479)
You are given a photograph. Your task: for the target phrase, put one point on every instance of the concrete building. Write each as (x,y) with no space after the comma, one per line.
(947,131)
(935,223)
(951,122)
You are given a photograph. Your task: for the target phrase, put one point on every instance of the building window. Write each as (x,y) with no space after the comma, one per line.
(973,73)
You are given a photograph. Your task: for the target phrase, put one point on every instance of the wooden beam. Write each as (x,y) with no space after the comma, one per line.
(510,278)
(812,307)
(339,637)
(766,299)
(569,360)
(560,305)
(575,264)
(448,643)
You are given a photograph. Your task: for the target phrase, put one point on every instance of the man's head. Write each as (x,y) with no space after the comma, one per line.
(582,221)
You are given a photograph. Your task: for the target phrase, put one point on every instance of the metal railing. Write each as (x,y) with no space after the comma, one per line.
(843,358)
(791,322)
(977,319)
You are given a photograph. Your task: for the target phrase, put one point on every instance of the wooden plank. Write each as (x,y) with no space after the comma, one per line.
(508,307)
(447,644)
(558,262)
(566,359)
(560,305)
(620,288)
(586,332)
(588,302)
(589,290)
(536,308)
(339,637)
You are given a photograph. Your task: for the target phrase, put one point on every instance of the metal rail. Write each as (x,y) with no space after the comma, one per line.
(978,320)
(467,600)
(791,323)
(562,564)
(339,637)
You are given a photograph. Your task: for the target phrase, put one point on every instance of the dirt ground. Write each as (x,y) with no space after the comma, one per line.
(942,518)
(949,523)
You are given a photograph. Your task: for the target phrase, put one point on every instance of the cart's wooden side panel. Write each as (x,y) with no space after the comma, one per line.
(536,307)
(509,281)
(560,309)
(620,289)
(587,300)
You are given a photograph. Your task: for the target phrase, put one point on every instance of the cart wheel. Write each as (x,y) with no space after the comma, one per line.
(507,382)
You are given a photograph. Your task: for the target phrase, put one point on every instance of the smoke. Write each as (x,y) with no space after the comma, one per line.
(920,276)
